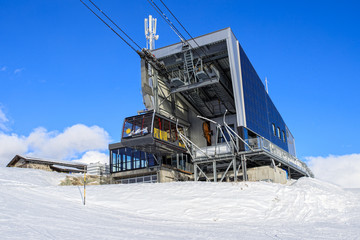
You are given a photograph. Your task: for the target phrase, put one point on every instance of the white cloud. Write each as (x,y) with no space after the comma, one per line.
(3,69)
(18,70)
(342,170)
(3,120)
(94,157)
(72,143)
(68,144)
(10,145)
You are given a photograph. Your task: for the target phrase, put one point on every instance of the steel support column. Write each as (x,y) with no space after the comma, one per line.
(195,172)
(289,173)
(234,168)
(214,171)
(243,165)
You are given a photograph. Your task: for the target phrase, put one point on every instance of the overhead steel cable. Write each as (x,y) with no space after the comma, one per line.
(114,24)
(192,38)
(178,33)
(133,48)
(174,28)
(176,19)
(143,53)
(167,20)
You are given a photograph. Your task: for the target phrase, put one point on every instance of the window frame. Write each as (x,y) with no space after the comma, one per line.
(274,129)
(279,133)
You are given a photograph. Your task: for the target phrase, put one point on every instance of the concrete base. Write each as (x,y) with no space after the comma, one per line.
(164,174)
(267,173)
(173,175)
(169,174)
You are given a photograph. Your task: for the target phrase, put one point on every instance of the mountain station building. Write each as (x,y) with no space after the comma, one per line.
(208,118)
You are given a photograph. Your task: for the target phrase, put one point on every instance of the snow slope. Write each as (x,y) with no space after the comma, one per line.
(33,206)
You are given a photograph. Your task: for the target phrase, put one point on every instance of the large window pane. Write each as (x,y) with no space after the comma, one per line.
(124,159)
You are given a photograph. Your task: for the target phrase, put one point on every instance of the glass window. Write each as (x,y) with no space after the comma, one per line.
(137,163)
(127,129)
(157,122)
(143,160)
(154,178)
(138,125)
(166,132)
(278,133)
(151,160)
(124,159)
(173,132)
(182,161)
(274,130)
(283,135)
(114,161)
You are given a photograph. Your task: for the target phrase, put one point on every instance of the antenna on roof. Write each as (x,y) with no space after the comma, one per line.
(150,32)
(266,85)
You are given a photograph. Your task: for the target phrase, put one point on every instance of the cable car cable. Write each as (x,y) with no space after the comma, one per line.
(167,20)
(192,38)
(109,27)
(114,24)
(172,26)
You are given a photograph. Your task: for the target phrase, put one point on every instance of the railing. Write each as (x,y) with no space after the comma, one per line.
(261,143)
(230,147)
(212,151)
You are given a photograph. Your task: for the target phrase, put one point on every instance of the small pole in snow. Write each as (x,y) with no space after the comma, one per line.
(85,168)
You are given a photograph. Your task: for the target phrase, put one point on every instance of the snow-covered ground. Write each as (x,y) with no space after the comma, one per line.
(33,206)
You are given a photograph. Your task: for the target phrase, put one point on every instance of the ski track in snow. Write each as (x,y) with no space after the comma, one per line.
(33,206)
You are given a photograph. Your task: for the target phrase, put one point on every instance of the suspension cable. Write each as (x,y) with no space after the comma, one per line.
(167,20)
(109,27)
(114,24)
(173,27)
(192,38)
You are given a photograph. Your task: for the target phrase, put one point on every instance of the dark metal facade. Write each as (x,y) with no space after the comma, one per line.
(261,113)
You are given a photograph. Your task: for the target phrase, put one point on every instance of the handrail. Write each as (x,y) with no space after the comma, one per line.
(227,126)
(277,151)
(230,134)
(262,143)
(219,127)
(183,137)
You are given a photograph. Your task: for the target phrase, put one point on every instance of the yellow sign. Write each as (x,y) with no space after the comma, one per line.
(160,134)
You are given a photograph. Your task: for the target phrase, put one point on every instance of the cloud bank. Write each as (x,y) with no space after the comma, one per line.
(93,157)
(3,120)
(342,170)
(79,142)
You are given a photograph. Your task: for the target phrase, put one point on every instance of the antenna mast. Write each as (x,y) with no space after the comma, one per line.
(150,32)
(266,85)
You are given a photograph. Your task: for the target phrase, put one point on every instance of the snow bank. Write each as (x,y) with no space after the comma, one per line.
(32,206)
(29,177)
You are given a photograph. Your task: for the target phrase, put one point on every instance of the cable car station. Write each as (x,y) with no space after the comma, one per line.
(209,117)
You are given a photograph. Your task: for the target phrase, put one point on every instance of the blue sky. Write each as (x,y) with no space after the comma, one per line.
(60,66)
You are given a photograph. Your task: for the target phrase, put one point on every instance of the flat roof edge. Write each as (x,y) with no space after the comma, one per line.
(161,48)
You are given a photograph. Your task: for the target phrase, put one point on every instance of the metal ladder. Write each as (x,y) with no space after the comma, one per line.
(188,64)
